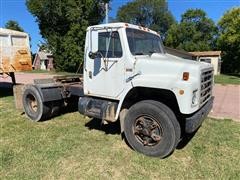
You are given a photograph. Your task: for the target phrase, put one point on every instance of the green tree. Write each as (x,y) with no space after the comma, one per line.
(195,32)
(63,25)
(13,25)
(229,40)
(153,14)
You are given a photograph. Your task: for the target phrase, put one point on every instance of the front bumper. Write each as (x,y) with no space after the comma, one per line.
(195,120)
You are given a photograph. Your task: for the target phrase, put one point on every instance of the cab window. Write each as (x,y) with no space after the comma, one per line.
(143,43)
(109,44)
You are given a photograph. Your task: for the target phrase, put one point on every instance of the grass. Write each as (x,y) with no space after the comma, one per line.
(73,147)
(227,79)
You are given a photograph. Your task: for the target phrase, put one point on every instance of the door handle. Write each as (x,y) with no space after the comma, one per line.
(131,77)
(90,74)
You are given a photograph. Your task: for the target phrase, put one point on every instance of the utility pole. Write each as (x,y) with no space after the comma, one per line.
(106,11)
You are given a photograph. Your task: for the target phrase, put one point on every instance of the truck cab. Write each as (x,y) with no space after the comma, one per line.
(128,76)
(129,56)
(127,64)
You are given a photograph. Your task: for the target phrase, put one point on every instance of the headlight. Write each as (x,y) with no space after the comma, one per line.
(194,97)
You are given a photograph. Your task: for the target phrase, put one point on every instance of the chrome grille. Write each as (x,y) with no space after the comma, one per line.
(206,85)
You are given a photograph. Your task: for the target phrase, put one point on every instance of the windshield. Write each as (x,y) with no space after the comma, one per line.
(143,43)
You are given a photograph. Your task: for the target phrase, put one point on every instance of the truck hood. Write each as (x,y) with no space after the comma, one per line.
(168,65)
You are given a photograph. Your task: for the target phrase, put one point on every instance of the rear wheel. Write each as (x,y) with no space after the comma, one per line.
(151,128)
(33,105)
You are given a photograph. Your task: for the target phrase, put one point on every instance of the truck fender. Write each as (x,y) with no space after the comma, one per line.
(49,92)
(121,113)
(122,98)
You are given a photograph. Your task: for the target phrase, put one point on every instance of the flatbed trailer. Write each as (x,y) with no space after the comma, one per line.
(57,90)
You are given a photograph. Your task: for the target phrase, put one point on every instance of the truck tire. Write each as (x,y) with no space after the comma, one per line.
(33,105)
(174,120)
(151,128)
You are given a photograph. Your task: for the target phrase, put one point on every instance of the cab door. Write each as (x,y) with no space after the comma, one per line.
(104,75)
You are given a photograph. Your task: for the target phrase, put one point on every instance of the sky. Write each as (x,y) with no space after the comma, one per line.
(16,10)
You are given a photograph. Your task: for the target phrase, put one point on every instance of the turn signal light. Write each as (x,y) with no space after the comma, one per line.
(185,76)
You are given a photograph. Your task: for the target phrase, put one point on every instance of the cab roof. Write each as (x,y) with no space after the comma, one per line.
(122,25)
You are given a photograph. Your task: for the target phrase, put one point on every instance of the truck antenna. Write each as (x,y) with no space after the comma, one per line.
(106,11)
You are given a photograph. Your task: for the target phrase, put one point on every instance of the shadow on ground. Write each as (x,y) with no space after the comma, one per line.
(185,140)
(58,108)
(6,89)
(114,128)
(111,128)
(236,75)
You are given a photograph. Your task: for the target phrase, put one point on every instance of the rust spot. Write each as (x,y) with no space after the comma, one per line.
(110,113)
(22,51)
(5,64)
(21,61)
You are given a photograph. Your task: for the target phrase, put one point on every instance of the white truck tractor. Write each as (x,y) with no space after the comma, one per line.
(128,76)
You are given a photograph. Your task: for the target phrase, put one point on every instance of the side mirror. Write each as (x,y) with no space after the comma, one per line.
(94,41)
(92,55)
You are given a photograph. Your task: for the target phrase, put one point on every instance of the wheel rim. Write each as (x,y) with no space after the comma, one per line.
(147,130)
(32,103)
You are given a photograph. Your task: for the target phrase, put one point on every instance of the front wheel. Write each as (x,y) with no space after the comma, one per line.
(151,128)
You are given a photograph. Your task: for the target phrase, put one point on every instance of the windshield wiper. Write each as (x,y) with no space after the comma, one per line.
(151,52)
(138,53)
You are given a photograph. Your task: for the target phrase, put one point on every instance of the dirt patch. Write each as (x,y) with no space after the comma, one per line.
(24,78)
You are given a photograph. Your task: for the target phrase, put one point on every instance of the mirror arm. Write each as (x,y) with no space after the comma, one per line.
(93,55)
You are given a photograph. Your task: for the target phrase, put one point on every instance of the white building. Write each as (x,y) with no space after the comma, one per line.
(213,57)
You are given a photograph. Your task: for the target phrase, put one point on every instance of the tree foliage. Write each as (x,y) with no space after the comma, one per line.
(195,32)
(153,14)
(63,25)
(13,25)
(229,40)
